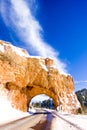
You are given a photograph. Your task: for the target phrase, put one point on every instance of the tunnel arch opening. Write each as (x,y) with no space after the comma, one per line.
(38,90)
(41,101)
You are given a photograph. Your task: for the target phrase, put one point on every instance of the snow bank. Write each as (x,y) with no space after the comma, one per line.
(79,121)
(7,113)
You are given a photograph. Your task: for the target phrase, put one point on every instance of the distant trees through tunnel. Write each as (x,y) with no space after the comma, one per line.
(42,101)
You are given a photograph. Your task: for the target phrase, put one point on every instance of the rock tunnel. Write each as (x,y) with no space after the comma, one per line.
(38,91)
(22,77)
(21,98)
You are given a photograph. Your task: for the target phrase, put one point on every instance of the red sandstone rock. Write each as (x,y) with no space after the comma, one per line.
(22,77)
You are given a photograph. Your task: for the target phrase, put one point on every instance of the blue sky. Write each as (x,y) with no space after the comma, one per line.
(51,28)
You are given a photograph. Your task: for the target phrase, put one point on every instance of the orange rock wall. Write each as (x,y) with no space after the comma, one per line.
(22,77)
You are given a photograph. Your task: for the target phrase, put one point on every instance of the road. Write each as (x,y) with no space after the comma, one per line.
(38,121)
(42,120)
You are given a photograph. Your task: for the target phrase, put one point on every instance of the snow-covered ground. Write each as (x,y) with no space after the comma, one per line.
(7,113)
(79,121)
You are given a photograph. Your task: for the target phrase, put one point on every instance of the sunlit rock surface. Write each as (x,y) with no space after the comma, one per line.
(22,77)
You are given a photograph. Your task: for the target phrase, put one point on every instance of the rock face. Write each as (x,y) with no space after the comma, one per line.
(22,77)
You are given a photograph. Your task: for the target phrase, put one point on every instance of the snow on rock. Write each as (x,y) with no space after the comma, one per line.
(70,99)
(2,48)
(42,63)
(19,51)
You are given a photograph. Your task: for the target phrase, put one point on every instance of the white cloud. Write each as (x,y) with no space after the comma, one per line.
(29,30)
(81,84)
(81,81)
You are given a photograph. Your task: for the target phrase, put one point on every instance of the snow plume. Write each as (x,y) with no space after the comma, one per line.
(20,19)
